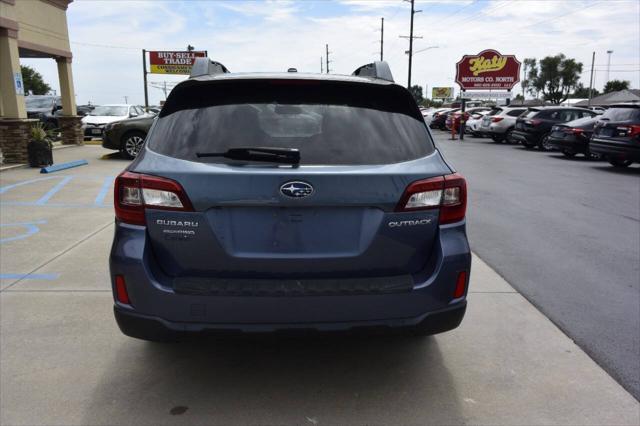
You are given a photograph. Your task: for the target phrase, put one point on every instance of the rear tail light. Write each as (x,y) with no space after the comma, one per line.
(448,193)
(631,131)
(535,122)
(134,192)
(121,290)
(577,132)
(496,119)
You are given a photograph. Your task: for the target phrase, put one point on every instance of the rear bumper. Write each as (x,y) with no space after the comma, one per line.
(530,138)
(152,299)
(568,145)
(615,149)
(145,326)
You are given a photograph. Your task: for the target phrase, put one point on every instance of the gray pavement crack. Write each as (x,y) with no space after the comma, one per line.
(71,247)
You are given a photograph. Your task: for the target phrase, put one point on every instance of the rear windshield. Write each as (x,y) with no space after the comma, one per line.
(495,111)
(531,113)
(330,124)
(622,114)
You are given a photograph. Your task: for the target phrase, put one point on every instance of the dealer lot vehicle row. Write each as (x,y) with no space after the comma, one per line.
(612,134)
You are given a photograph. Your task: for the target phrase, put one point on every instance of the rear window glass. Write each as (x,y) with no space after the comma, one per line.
(531,113)
(622,114)
(495,111)
(330,124)
(515,112)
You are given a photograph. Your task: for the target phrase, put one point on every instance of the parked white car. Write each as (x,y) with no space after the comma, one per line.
(500,122)
(474,122)
(93,123)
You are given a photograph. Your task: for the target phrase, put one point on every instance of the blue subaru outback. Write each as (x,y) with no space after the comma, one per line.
(267,202)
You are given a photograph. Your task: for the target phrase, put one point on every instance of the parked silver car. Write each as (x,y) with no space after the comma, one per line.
(500,122)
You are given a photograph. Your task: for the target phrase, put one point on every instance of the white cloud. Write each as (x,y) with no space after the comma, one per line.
(272,36)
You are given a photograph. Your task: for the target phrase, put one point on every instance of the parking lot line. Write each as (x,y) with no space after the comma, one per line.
(46,197)
(104,190)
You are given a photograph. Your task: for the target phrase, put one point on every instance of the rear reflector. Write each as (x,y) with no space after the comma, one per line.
(449,193)
(461,285)
(134,191)
(121,290)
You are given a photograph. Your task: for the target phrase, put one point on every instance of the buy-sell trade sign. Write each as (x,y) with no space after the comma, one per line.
(488,70)
(173,62)
(441,92)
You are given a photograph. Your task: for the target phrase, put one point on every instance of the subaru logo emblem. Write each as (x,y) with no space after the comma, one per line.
(296,189)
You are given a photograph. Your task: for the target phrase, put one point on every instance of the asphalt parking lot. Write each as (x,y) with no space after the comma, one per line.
(65,362)
(566,234)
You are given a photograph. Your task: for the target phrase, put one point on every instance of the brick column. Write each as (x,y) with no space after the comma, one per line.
(71,129)
(14,137)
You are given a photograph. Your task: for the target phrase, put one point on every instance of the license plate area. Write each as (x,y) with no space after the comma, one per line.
(96,131)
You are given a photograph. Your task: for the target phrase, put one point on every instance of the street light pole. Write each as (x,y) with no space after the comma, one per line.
(609,52)
(382,39)
(593,58)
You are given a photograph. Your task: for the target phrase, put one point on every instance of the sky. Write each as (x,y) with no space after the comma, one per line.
(107,38)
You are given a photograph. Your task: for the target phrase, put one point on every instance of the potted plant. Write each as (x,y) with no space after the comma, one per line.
(40,146)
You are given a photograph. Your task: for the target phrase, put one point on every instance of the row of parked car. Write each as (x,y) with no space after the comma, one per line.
(122,127)
(612,133)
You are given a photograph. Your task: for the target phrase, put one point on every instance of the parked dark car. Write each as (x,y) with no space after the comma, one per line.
(44,108)
(84,109)
(127,136)
(440,119)
(573,137)
(277,201)
(533,127)
(617,135)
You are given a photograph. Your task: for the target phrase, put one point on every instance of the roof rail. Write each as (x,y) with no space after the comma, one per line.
(377,69)
(205,66)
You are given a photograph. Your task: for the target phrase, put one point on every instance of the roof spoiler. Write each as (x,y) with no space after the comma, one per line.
(205,66)
(377,69)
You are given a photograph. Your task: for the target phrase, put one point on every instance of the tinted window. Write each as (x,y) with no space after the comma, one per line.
(515,112)
(584,123)
(330,125)
(622,114)
(532,113)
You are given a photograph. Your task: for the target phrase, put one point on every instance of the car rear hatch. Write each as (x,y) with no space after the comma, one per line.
(619,124)
(332,216)
(527,122)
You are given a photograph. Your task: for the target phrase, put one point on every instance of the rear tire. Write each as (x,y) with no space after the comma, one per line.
(509,136)
(568,154)
(497,138)
(131,144)
(544,143)
(620,163)
(528,145)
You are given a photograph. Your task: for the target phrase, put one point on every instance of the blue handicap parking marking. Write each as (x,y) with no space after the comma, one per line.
(44,200)
(31,229)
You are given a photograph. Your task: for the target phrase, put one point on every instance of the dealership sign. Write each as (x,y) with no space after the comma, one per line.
(488,70)
(173,62)
(441,92)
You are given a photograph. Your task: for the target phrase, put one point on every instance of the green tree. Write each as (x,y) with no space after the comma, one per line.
(33,81)
(616,85)
(583,92)
(555,77)
(416,91)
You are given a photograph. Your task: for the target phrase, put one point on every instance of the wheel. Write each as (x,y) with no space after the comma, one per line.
(544,143)
(619,163)
(132,143)
(528,145)
(497,138)
(509,136)
(568,154)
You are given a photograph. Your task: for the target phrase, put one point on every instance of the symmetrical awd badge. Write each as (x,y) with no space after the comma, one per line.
(296,189)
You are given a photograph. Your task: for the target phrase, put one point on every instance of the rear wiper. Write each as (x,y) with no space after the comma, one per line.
(271,155)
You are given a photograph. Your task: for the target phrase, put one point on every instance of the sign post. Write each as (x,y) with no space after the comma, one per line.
(168,62)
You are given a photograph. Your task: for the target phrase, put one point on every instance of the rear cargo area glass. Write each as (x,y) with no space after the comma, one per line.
(331,123)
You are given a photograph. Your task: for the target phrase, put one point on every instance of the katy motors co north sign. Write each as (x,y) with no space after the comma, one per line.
(488,70)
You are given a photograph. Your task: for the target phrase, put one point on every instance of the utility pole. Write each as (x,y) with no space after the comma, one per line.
(382,39)
(144,73)
(327,56)
(411,37)
(593,58)
(126,100)
(609,52)
(321,65)
(524,81)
